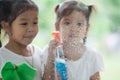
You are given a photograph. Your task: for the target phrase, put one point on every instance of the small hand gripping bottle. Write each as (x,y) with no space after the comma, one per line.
(60,65)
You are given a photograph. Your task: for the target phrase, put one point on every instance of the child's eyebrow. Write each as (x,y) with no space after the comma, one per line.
(25,19)
(81,20)
(66,19)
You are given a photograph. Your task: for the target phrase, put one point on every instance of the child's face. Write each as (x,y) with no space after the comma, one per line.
(24,28)
(73,27)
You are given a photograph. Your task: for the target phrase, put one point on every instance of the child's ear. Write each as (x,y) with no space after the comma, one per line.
(88,25)
(87,29)
(5,26)
(57,26)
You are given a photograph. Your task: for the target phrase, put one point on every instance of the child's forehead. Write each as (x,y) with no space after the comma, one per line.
(28,12)
(29,15)
(75,14)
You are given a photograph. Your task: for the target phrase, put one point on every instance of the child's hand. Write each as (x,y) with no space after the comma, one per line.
(55,42)
(49,68)
(52,46)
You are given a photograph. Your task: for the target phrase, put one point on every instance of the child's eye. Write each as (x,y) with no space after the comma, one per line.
(79,24)
(24,24)
(67,23)
(35,22)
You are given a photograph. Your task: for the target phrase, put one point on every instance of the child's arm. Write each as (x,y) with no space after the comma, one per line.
(49,69)
(96,76)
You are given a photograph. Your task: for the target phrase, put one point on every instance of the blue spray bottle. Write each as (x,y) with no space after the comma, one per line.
(60,64)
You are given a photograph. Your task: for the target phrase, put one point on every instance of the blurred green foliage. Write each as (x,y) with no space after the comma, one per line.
(112,7)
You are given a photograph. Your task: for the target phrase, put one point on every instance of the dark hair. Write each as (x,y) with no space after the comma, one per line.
(68,6)
(10,9)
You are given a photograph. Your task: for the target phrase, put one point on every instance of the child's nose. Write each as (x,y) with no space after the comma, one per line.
(30,29)
(73,25)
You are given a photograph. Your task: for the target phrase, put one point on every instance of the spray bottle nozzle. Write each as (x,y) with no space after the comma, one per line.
(56,35)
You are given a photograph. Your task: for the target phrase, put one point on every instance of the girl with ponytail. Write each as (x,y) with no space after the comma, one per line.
(72,21)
